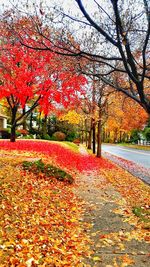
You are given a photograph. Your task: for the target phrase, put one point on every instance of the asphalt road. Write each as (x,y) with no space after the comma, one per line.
(141,157)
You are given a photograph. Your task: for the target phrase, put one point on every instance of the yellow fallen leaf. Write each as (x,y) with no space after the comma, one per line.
(121,246)
(93,234)
(127,261)
(73,220)
(30,262)
(96,258)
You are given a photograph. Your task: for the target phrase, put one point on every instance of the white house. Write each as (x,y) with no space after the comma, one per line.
(3,121)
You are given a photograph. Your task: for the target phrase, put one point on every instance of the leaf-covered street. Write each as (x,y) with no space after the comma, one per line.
(101,219)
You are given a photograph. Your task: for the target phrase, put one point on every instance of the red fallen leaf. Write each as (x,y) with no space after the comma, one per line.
(147,238)
(126,211)
(30,188)
(19,236)
(102,236)
(15,261)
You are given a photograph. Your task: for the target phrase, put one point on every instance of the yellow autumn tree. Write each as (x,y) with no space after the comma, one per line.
(71,117)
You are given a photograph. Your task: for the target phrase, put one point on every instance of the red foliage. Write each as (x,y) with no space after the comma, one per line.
(40,76)
(22,131)
(64,157)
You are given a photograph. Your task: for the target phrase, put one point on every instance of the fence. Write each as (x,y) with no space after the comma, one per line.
(143,143)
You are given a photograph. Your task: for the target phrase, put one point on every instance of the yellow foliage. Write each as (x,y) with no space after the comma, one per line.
(72,117)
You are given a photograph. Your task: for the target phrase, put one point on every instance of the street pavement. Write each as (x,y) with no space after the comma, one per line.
(138,156)
(137,162)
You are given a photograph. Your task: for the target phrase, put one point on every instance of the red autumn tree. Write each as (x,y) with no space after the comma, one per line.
(30,78)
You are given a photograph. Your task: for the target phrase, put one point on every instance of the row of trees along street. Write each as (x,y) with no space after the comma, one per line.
(108,44)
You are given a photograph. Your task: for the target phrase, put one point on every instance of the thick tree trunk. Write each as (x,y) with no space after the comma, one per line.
(44,126)
(13,125)
(24,125)
(24,121)
(13,133)
(94,136)
(99,134)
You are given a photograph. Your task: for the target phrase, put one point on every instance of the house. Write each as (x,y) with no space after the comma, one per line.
(3,121)
(4,134)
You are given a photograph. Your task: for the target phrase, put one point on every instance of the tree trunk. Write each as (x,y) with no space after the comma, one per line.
(13,125)
(39,123)
(94,136)
(31,121)
(86,138)
(44,126)
(86,131)
(90,137)
(13,133)
(24,121)
(99,138)
(120,136)
(82,139)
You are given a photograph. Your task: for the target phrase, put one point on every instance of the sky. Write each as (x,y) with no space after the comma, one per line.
(66,4)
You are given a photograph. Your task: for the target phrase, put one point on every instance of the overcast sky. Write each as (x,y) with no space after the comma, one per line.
(66,4)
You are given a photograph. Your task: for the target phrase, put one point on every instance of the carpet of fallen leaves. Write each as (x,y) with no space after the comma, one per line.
(132,189)
(60,155)
(42,221)
(136,195)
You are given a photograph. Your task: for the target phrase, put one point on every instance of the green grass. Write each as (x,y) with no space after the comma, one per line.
(50,171)
(135,146)
(71,145)
(143,213)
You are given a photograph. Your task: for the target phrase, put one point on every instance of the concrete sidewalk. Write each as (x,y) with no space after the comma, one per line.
(116,240)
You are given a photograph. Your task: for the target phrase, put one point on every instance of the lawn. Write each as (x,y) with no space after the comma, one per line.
(135,146)
(40,216)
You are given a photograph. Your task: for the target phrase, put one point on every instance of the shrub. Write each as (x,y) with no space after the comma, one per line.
(29,136)
(135,136)
(38,167)
(46,137)
(59,136)
(71,136)
(107,140)
(38,136)
(22,131)
(146,133)
(4,134)
(76,141)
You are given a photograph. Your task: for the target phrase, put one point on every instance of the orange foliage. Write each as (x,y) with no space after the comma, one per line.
(125,114)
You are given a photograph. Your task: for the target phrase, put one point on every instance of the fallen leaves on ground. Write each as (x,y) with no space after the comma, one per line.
(132,189)
(61,155)
(40,221)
